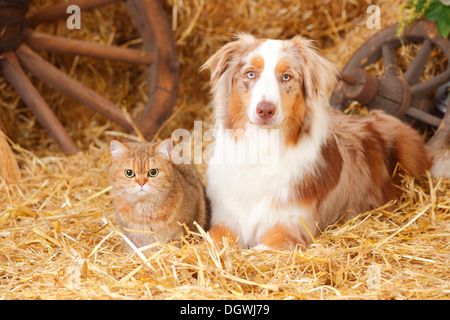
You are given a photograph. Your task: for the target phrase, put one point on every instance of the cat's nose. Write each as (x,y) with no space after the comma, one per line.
(141,182)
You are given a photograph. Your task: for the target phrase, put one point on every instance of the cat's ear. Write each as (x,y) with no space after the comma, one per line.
(117,149)
(165,148)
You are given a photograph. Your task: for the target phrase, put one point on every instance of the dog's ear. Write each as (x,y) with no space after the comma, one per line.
(219,61)
(222,59)
(319,74)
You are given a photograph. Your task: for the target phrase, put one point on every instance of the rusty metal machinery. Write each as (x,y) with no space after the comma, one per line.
(401,95)
(19,45)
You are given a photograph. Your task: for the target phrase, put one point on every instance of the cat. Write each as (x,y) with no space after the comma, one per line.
(153,196)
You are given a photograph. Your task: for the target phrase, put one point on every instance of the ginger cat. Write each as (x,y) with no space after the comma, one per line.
(152,195)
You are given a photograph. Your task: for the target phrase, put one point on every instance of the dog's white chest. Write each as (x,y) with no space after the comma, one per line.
(244,196)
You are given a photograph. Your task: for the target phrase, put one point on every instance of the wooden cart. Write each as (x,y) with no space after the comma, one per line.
(19,43)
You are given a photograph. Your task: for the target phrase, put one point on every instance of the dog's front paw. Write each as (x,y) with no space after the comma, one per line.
(262,247)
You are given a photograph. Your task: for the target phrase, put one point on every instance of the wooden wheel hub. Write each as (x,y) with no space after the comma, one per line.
(363,87)
(390,94)
(401,95)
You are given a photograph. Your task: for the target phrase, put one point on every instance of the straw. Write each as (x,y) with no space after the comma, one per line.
(59,237)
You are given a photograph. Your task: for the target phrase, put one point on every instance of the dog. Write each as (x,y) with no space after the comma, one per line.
(330,165)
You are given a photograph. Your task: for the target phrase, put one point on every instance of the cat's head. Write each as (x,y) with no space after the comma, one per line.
(141,169)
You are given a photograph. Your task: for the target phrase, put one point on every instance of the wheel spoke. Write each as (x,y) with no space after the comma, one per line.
(43,42)
(152,25)
(421,89)
(424,117)
(60,80)
(59,11)
(415,69)
(15,75)
(390,65)
(441,139)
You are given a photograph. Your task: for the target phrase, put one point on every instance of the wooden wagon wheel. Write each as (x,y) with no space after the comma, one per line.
(18,43)
(403,96)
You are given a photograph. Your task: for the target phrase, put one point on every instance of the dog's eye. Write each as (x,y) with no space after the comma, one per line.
(129,173)
(153,173)
(286,77)
(251,74)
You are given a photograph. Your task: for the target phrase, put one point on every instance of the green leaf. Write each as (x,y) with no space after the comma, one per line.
(435,10)
(440,13)
(418,4)
(443,26)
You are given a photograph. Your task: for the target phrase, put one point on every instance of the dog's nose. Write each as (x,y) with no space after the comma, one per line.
(265,110)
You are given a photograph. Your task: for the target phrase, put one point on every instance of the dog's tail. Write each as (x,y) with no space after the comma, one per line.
(407,145)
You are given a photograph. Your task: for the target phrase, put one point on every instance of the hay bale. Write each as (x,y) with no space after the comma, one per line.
(58,232)
(9,169)
(60,240)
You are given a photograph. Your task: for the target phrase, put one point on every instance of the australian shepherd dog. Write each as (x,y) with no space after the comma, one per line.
(326,164)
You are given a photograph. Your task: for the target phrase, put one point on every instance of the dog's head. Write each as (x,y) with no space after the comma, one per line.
(269,83)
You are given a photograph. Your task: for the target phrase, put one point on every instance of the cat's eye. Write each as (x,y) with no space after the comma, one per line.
(153,173)
(129,173)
